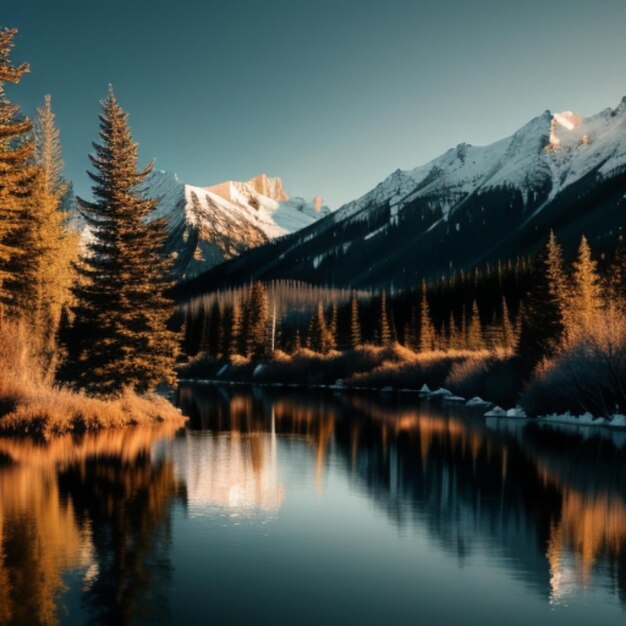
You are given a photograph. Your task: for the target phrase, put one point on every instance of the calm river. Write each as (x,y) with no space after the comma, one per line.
(296,507)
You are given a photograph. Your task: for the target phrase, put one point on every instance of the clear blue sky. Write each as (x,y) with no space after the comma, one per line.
(330,95)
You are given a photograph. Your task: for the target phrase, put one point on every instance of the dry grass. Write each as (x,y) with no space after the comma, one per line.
(366,366)
(402,368)
(31,404)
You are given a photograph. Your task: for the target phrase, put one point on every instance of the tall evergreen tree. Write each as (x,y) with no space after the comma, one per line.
(235,329)
(256,319)
(617,274)
(493,336)
(355,322)
(17,173)
(384,329)
(297,343)
(509,341)
(427,330)
(226,324)
(410,331)
(333,326)
(542,325)
(453,335)
(121,336)
(474,332)
(318,334)
(586,298)
(43,287)
(462,341)
(214,329)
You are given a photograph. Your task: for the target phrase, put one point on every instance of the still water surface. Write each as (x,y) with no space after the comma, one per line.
(293,507)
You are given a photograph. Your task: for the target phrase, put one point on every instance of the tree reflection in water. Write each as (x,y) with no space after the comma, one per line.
(550,501)
(93,515)
(98,504)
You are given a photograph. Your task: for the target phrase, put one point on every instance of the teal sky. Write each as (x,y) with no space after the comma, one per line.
(330,95)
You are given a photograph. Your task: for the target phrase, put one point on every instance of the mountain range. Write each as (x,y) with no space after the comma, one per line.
(467,207)
(208,225)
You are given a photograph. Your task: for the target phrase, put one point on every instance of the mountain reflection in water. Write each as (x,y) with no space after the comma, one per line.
(92,528)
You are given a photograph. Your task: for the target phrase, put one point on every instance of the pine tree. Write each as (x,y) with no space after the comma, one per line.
(384,330)
(453,338)
(297,343)
(474,331)
(255,321)
(332,327)
(617,275)
(542,325)
(586,298)
(355,322)
(43,286)
(494,338)
(410,331)
(121,336)
(235,329)
(189,334)
(17,173)
(463,334)
(226,324)
(427,330)
(318,335)
(509,341)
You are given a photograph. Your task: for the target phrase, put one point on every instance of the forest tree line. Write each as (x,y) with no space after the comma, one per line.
(562,325)
(465,311)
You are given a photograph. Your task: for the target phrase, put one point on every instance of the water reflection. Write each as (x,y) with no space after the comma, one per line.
(550,503)
(98,506)
(238,472)
(92,529)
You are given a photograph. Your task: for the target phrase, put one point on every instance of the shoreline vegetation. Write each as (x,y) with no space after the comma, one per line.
(85,340)
(589,371)
(32,404)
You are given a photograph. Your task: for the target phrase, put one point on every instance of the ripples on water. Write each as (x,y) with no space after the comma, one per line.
(295,507)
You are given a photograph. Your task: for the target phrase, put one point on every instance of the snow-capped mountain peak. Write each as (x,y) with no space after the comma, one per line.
(567,130)
(217,222)
(471,204)
(270,188)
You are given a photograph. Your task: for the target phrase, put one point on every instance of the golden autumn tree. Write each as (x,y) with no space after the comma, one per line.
(17,171)
(585,299)
(120,335)
(427,330)
(384,335)
(46,277)
(355,322)
(475,339)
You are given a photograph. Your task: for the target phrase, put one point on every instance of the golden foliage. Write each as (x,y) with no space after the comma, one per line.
(29,404)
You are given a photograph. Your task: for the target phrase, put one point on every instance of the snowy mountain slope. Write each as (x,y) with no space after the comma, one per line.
(470,205)
(208,225)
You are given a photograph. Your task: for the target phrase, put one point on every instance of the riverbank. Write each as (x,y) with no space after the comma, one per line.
(31,404)
(482,373)
(480,379)
(46,412)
